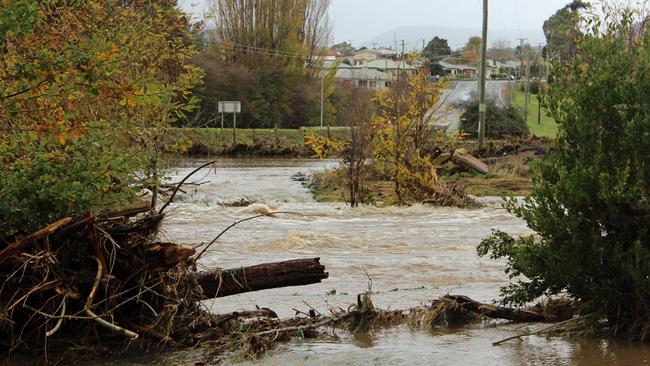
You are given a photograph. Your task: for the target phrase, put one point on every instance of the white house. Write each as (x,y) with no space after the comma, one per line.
(364,77)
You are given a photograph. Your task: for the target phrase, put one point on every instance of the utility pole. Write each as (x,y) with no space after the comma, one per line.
(322,96)
(403,44)
(524,69)
(402,63)
(539,84)
(527,83)
(234,128)
(482,107)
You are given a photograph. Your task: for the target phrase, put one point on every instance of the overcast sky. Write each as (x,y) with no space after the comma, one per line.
(360,21)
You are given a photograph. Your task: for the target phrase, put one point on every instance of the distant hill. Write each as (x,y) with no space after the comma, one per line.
(457,37)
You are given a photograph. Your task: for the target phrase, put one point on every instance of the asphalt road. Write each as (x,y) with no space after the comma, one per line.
(447,113)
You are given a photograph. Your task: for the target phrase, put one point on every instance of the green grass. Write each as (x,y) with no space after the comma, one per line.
(547,127)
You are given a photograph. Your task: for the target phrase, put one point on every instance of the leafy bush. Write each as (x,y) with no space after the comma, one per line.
(500,122)
(590,202)
(84,101)
(43,181)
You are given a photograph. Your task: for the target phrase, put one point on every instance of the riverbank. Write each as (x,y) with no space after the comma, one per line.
(285,142)
(509,163)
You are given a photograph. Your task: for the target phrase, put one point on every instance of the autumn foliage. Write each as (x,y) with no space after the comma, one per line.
(80,84)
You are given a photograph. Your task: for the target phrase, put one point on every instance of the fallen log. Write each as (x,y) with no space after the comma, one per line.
(297,272)
(441,159)
(501,312)
(461,157)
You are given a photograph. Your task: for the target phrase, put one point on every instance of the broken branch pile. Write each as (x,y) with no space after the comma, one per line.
(90,280)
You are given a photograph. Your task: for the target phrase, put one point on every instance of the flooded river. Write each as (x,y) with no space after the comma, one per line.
(412,255)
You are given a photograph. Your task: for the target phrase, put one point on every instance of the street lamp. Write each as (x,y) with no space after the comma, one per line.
(322,88)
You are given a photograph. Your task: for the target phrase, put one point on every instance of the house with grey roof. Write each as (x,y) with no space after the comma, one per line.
(457,70)
(364,77)
(392,68)
(513,68)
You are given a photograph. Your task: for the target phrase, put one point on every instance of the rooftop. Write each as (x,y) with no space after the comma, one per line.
(361,74)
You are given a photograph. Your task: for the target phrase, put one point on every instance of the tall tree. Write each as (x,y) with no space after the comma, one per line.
(562,31)
(257,54)
(471,51)
(295,26)
(501,51)
(436,50)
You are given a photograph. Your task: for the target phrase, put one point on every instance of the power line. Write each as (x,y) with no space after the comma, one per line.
(505,30)
(517,16)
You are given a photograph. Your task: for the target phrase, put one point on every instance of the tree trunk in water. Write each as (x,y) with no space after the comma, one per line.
(500,312)
(297,272)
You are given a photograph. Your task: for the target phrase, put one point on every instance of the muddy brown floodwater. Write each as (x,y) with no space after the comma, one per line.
(412,255)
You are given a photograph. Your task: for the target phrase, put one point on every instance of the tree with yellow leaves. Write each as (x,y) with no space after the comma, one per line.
(403,131)
(471,51)
(85,88)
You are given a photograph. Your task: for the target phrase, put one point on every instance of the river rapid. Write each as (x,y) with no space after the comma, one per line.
(411,255)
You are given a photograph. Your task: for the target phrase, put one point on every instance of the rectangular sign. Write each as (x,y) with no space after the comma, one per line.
(229,107)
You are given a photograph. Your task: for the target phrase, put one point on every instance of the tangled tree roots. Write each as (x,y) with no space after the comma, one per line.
(92,278)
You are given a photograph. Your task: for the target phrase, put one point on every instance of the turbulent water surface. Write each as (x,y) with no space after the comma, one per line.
(412,255)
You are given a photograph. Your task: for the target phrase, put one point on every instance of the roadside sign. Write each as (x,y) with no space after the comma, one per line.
(230,107)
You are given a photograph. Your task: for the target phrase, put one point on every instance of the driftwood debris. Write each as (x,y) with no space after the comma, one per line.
(465,304)
(108,277)
(463,158)
(28,241)
(265,276)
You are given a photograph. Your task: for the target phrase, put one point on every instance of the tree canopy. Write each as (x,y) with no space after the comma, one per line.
(266,54)
(80,84)
(471,51)
(435,51)
(562,31)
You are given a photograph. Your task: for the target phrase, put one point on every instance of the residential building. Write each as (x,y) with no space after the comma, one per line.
(392,68)
(363,56)
(364,77)
(459,70)
(513,68)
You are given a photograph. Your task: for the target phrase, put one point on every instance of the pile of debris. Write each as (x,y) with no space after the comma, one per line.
(104,279)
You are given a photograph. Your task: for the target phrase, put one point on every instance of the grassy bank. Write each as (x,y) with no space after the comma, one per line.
(547,127)
(262,141)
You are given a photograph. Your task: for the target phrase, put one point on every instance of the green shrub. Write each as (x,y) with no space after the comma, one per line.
(590,202)
(42,181)
(500,122)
